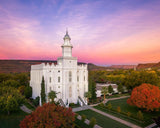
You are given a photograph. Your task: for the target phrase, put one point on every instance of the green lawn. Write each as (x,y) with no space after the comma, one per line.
(102,121)
(127,108)
(12,120)
(80,124)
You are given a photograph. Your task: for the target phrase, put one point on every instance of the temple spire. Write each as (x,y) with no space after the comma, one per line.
(66,31)
(67,37)
(67,46)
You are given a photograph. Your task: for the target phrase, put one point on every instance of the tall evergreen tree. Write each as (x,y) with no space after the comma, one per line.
(43,94)
(110,89)
(92,87)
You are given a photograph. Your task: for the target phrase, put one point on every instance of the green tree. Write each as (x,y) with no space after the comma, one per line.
(21,89)
(10,99)
(11,104)
(5,77)
(28,92)
(88,95)
(136,78)
(51,96)
(110,89)
(120,88)
(43,94)
(104,92)
(92,86)
(22,78)
(11,83)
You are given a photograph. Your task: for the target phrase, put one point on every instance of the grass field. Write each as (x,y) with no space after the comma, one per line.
(117,95)
(12,120)
(102,121)
(127,108)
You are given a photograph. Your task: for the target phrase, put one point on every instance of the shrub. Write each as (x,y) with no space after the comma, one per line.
(128,114)
(36,101)
(140,115)
(83,117)
(76,115)
(28,91)
(101,105)
(92,122)
(71,105)
(109,106)
(119,109)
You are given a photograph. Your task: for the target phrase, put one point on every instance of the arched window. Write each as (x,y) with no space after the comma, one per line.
(78,78)
(50,79)
(70,76)
(70,91)
(59,79)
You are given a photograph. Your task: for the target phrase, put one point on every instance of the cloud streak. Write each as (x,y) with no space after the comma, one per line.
(102,32)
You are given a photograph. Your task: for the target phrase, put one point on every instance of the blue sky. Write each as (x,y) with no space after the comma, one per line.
(119,31)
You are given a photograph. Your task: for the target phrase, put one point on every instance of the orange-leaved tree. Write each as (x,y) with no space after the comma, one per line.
(49,116)
(145,96)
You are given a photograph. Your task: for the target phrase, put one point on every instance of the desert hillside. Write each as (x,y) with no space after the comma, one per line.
(148,65)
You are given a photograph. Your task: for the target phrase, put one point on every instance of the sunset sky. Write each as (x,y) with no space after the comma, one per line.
(102,32)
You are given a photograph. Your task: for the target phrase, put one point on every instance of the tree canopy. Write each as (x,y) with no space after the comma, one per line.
(49,116)
(52,95)
(145,96)
(10,99)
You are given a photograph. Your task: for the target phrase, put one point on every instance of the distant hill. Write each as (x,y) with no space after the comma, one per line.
(95,67)
(123,66)
(11,66)
(148,65)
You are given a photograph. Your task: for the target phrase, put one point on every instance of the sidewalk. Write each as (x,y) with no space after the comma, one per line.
(81,108)
(25,109)
(122,97)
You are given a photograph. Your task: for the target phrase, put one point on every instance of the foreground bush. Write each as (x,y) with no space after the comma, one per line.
(145,96)
(83,118)
(49,116)
(92,122)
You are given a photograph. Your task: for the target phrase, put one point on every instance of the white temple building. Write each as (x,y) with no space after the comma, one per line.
(67,78)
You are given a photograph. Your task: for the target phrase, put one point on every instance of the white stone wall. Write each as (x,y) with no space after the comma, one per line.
(68,88)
